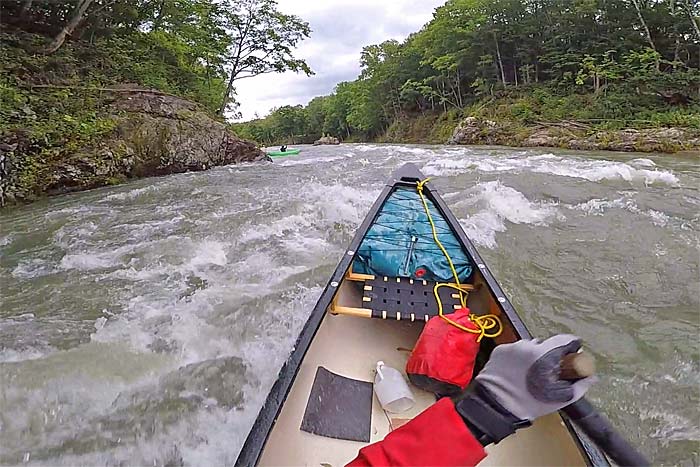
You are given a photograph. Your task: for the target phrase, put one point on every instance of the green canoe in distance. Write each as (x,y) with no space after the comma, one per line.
(288,152)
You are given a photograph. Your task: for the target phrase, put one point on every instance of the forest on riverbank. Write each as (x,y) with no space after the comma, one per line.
(522,64)
(93,92)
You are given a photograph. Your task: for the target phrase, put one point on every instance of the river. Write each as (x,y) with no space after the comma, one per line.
(143,324)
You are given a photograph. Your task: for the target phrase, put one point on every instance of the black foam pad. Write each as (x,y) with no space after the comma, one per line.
(338,407)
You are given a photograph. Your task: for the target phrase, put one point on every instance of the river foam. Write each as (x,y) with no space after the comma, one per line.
(593,170)
(194,300)
(599,207)
(496,205)
(144,324)
(311,215)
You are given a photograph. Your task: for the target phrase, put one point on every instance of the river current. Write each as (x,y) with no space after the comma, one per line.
(144,324)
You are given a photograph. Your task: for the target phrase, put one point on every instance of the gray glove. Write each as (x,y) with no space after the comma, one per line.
(524,376)
(519,383)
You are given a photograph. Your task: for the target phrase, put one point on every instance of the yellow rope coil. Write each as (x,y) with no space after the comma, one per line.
(485,323)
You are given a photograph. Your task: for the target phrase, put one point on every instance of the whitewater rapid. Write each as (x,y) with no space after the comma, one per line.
(144,323)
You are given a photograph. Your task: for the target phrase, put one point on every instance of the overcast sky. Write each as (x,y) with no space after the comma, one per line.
(340,28)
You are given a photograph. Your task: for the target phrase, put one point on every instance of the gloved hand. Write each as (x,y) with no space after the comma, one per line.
(519,383)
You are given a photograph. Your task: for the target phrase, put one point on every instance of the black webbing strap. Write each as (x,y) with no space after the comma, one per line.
(486,418)
(402,298)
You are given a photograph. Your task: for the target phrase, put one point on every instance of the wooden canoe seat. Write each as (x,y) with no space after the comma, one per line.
(395,298)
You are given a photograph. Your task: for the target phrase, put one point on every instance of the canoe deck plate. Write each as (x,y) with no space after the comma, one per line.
(338,407)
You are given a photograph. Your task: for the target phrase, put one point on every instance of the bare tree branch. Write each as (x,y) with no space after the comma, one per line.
(68,28)
(646,28)
(693,19)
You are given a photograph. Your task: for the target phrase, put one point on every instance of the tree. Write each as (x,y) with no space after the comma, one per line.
(638,9)
(289,122)
(316,115)
(600,70)
(692,15)
(336,109)
(627,50)
(365,113)
(415,94)
(262,40)
(68,29)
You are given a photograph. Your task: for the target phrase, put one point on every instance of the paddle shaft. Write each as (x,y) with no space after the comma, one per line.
(593,423)
(598,428)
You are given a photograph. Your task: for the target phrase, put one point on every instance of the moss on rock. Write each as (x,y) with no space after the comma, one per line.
(138,135)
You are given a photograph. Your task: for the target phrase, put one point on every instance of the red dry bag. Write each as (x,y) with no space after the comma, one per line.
(443,359)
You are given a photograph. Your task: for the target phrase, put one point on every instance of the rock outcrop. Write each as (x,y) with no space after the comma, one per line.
(167,134)
(326,140)
(542,137)
(571,135)
(155,134)
(474,130)
(647,140)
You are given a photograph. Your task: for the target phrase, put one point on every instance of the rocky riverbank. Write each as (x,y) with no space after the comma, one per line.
(449,128)
(573,135)
(151,133)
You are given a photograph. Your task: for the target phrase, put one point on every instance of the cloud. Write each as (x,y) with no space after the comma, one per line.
(300,86)
(340,29)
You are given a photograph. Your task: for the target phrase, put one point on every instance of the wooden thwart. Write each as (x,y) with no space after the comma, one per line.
(350,311)
(356,276)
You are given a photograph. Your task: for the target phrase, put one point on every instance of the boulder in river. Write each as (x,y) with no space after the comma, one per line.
(326,140)
(154,134)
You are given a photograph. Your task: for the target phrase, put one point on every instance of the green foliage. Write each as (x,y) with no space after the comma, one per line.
(193,48)
(525,61)
(364,111)
(64,63)
(56,122)
(261,40)
(416,93)
(289,121)
(287,124)
(611,110)
(429,127)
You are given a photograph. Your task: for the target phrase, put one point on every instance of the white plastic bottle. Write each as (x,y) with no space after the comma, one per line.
(392,391)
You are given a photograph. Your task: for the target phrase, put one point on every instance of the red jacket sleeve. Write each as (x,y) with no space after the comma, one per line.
(436,437)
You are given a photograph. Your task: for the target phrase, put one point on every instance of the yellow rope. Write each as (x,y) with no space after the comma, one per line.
(484,323)
(419,188)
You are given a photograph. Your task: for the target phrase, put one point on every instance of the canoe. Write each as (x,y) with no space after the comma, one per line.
(288,152)
(351,329)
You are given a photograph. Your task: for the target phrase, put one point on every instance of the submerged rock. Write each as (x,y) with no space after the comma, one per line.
(154,134)
(326,140)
